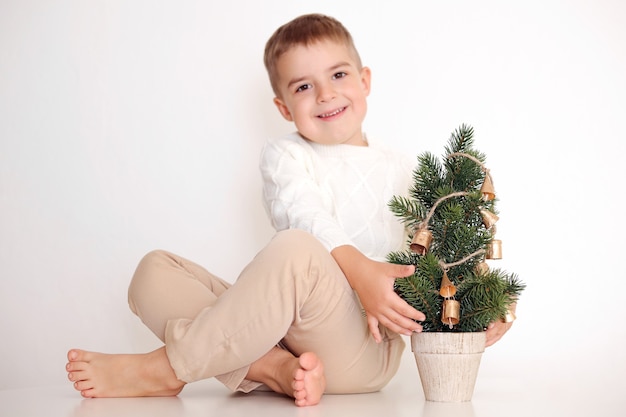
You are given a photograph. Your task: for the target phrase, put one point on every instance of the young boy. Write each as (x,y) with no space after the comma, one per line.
(315,310)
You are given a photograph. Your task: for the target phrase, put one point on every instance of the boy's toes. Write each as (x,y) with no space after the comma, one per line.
(75,366)
(77,376)
(77,355)
(83,385)
(298,385)
(88,393)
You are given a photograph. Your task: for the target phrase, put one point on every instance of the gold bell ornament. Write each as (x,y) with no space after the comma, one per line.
(451,312)
(421,241)
(447,288)
(509,317)
(487,189)
(489,218)
(494,249)
(481,268)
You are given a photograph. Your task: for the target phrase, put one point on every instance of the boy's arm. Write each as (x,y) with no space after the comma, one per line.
(373,282)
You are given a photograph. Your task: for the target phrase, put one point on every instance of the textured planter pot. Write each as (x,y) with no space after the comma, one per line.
(448,364)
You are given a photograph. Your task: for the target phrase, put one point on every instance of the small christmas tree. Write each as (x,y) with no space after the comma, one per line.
(451,216)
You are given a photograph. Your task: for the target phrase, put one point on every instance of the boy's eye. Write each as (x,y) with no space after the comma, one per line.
(340,74)
(303,87)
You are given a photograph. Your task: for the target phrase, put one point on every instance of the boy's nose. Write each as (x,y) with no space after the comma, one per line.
(325,93)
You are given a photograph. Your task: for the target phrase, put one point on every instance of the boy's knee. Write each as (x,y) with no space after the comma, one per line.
(153,260)
(155,254)
(144,274)
(297,240)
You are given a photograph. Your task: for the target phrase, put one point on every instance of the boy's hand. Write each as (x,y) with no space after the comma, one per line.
(497,329)
(383,305)
(373,282)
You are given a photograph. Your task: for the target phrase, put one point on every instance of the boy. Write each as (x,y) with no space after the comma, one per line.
(315,310)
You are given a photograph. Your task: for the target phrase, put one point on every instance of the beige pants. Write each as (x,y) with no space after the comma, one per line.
(293,293)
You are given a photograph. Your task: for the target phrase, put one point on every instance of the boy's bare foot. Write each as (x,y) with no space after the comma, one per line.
(301,378)
(104,375)
(309,381)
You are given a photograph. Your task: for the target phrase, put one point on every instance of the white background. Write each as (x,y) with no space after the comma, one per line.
(131,125)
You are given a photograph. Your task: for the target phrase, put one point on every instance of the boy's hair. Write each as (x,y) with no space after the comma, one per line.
(304,30)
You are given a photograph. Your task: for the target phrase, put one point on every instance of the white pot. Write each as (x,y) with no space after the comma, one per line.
(448,363)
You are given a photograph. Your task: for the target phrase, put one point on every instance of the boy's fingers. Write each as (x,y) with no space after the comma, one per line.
(402,271)
(406,310)
(372,322)
(495,331)
(399,323)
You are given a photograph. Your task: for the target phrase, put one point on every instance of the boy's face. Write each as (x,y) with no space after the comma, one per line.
(323,92)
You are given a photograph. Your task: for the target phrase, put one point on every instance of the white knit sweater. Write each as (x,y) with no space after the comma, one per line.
(338,193)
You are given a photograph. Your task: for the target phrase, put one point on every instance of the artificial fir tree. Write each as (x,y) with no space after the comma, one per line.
(451,213)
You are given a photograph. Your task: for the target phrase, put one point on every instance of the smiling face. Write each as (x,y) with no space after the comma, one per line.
(324,92)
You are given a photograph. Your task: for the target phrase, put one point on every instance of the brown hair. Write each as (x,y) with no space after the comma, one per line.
(304,30)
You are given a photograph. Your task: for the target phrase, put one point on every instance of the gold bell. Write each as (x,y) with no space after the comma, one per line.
(489,218)
(494,249)
(487,189)
(481,268)
(451,312)
(447,288)
(509,317)
(421,241)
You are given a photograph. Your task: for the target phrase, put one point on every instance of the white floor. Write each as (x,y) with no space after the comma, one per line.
(533,393)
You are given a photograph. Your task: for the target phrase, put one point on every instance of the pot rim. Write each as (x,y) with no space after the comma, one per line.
(448,342)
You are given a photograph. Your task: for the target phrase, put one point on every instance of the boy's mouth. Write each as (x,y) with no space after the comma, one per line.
(332,113)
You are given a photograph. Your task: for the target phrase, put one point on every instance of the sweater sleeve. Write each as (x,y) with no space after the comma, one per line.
(292,194)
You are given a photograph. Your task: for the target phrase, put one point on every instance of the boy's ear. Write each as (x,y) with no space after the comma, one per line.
(282,108)
(366,79)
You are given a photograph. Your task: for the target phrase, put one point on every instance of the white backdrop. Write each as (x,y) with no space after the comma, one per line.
(131,125)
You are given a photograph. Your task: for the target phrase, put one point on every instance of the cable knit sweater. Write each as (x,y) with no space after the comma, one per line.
(338,193)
